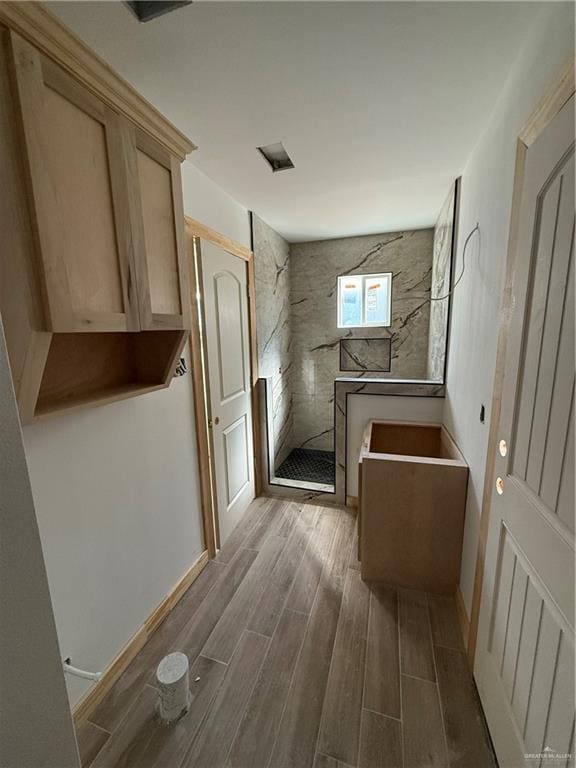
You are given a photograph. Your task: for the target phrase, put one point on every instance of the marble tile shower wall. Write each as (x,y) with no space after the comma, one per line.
(440,286)
(314,269)
(273,329)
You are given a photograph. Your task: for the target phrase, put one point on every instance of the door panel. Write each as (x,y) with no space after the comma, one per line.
(524,664)
(237,458)
(78,190)
(557,469)
(565,506)
(226,318)
(550,322)
(231,342)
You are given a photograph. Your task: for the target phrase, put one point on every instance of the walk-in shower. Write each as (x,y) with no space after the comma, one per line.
(355,307)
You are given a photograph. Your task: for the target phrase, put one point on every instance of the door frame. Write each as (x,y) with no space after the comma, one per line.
(195,233)
(555,97)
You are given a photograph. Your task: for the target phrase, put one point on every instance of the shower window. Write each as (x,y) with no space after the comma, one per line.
(364,300)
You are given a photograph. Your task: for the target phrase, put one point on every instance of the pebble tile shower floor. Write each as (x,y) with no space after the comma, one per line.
(308,465)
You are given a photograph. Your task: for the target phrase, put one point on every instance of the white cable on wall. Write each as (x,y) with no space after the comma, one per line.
(71,670)
(461,275)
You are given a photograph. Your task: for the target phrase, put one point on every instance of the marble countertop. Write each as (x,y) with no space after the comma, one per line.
(375,380)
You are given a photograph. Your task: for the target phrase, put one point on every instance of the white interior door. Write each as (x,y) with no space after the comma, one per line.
(228,350)
(524,664)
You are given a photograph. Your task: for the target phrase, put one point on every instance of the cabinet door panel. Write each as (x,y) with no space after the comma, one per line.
(78,167)
(164,298)
(159,236)
(78,185)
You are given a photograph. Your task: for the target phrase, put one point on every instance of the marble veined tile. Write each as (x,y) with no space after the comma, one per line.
(314,271)
(273,330)
(368,355)
(440,286)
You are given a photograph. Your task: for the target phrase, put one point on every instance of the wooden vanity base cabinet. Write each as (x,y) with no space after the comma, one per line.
(411,509)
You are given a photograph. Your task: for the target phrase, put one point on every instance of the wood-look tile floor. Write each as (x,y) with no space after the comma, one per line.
(297,663)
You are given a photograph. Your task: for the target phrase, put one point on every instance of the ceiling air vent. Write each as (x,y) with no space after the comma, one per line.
(276,156)
(145,10)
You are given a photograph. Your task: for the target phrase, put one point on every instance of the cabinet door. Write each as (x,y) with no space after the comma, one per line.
(163,292)
(78,187)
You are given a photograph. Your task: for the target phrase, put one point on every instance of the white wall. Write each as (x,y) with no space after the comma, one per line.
(35,722)
(486,198)
(117,493)
(362,408)
(207,202)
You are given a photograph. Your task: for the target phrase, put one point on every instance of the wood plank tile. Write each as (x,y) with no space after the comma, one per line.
(340,730)
(382,681)
(212,745)
(444,621)
(222,641)
(323,761)
(334,573)
(142,669)
(416,656)
(259,728)
(142,740)
(303,592)
(466,736)
(195,634)
(267,612)
(268,525)
(255,514)
(310,514)
(290,516)
(296,743)
(134,733)
(380,741)
(90,740)
(423,736)
(354,562)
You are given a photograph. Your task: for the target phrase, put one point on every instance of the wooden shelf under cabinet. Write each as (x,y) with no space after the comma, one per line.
(97,368)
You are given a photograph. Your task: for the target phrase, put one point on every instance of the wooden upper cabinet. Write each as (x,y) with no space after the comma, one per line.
(94,290)
(79,187)
(163,295)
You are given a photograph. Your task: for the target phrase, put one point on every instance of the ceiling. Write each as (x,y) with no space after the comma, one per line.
(378,104)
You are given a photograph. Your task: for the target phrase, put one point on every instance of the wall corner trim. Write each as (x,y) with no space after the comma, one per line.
(84,708)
